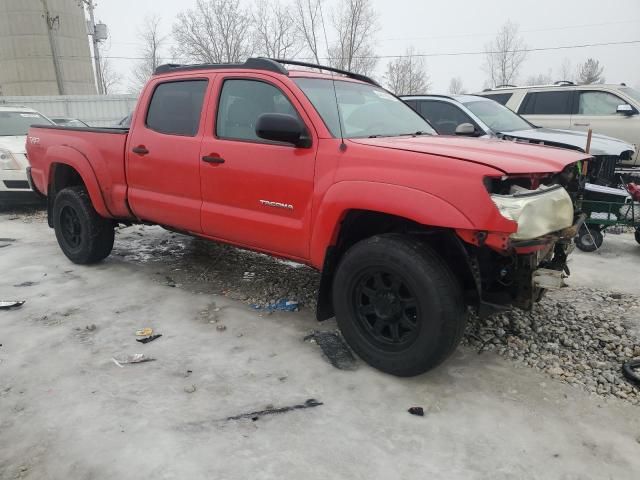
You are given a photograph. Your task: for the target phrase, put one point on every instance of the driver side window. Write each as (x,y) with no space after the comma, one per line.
(242,102)
(598,103)
(443,116)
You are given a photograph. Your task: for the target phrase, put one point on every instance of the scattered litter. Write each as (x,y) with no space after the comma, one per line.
(26,284)
(190,389)
(8,304)
(91,328)
(188,373)
(419,411)
(148,339)
(281,305)
(271,411)
(629,371)
(135,358)
(248,276)
(334,348)
(145,332)
(170,282)
(221,328)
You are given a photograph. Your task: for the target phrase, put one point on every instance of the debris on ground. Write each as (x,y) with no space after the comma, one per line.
(578,336)
(629,371)
(144,332)
(148,339)
(170,282)
(334,349)
(135,358)
(188,373)
(419,411)
(221,328)
(91,328)
(190,389)
(9,304)
(282,305)
(312,402)
(26,284)
(248,276)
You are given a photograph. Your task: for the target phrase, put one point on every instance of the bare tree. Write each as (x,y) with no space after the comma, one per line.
(152,44)
(539,79)
(356,22)
(505,55)
(308,17)
(407,75)
(455,86)
(566,71)
(215,31)
(590,72)
(276,33)
(110,78)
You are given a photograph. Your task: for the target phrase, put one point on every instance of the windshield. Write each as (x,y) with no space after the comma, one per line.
(497,117)
(365,110)
(631,92)
(18,123)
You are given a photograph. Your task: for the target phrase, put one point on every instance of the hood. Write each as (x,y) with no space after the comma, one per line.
(15,144)
(509,157)
(600,144)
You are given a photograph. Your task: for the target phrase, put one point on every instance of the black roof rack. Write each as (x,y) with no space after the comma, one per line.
(251,63)
(564,82)
(261,63)
(505,85)
(356,76)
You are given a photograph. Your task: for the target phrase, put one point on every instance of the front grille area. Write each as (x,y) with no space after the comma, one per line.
(22,184)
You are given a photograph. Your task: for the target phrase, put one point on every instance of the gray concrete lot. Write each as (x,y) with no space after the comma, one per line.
(67,411)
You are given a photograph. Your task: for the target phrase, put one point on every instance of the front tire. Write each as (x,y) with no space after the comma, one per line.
(398,305)
(84,236)
(589,239)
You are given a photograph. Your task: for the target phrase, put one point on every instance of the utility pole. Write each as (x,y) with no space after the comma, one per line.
(51,23)
(96,49)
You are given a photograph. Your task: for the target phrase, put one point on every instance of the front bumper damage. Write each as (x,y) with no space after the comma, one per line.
(514,269)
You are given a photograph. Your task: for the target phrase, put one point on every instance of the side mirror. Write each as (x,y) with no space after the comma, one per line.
(625,109)
(466,130)
(280,127)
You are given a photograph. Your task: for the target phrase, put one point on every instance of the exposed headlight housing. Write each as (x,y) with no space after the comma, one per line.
(537,212)
(8,161)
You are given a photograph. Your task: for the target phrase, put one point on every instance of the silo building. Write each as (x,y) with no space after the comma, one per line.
(44,48)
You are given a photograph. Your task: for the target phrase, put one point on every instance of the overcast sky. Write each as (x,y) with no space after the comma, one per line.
(448,26)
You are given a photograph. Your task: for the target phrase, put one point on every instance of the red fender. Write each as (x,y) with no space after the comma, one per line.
(68,156)
(409,203)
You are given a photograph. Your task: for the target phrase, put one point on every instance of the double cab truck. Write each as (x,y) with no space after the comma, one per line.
(326,168)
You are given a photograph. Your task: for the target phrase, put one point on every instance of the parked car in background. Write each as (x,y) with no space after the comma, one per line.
(69,122)
(612,110)
(476,116)
(14,124)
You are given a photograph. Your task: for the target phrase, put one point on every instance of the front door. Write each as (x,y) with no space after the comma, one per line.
(255,192)
(163,157)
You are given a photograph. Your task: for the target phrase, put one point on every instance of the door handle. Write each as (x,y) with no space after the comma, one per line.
(212,159)
(140,150)
(581,124)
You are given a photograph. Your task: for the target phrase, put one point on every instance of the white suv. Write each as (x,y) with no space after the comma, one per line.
(612,110)
(14,123)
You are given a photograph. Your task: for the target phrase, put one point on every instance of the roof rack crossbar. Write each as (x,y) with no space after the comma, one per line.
(356,76)
(251,63)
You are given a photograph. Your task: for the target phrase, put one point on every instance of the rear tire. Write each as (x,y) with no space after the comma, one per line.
(398,305)
(84,236)
(589,239)
(637,235)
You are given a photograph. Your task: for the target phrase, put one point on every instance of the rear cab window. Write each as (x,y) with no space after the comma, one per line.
(555,102)
(176,107)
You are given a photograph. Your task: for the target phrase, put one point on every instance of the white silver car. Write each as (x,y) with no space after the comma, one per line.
(14,124)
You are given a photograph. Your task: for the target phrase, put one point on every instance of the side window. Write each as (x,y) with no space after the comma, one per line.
(442,116)
(413,104)
(175,107)
(547,103)
(501,98)
(242,102)
(598,103)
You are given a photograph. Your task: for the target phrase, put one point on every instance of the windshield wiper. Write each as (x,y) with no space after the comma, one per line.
(414,134)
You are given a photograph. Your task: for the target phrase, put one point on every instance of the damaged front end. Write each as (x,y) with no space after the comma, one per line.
(515,268)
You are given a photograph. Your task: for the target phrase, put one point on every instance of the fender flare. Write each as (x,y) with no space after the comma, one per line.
(416,205)
(66,155)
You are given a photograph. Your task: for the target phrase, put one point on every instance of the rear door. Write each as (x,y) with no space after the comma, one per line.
(163,167)
(548,108)
(255,192)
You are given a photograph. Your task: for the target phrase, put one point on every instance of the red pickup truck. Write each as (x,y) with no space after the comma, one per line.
(328,169)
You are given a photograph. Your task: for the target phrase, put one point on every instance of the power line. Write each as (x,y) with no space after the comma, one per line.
(441,54)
